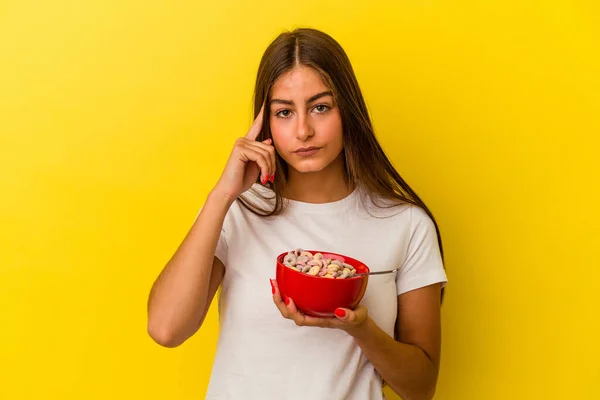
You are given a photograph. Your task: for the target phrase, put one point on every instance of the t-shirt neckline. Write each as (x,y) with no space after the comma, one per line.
(323,207)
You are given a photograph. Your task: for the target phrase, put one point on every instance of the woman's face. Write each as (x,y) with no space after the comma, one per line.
(305,122)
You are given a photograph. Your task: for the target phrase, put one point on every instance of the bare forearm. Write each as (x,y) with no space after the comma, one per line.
(178,298)
(405,367)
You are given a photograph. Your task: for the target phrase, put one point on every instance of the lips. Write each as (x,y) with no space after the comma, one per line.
(306,149)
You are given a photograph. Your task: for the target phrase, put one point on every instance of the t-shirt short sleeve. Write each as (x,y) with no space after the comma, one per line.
(423,264)
(222,248)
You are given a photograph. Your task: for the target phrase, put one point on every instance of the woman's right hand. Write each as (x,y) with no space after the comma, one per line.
(248,159)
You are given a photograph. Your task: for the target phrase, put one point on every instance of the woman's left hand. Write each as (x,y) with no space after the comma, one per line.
(349,320)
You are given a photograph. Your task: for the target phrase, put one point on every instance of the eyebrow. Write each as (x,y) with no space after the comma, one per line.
(308,101)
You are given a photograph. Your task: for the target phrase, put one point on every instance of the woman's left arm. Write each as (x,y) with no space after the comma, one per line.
(409,363)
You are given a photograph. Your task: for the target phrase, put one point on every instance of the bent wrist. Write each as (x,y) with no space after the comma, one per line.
(362,330)
(219,196)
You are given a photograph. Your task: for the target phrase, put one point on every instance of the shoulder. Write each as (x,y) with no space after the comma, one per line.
(378,206)
(413,219)
(419,217)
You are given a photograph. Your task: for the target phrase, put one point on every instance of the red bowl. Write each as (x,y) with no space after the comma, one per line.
(318,296)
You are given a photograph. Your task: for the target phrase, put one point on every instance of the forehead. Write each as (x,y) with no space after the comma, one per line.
(300,82)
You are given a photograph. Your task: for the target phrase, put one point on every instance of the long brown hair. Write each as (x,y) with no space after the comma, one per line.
(364,159)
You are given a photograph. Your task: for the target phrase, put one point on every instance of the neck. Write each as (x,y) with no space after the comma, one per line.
(325,186)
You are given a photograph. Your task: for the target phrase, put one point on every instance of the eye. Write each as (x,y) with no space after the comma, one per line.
(321,108)
(283,114)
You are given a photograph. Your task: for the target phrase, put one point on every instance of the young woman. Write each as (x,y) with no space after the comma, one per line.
(308,174)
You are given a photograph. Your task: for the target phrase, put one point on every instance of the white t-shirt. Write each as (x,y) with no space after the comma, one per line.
(261,355)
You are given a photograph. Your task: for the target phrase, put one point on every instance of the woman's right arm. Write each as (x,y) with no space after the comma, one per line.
(183,292)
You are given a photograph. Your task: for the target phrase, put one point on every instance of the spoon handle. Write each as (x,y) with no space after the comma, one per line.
(389,271)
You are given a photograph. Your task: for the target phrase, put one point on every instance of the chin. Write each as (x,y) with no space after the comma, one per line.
(308,167)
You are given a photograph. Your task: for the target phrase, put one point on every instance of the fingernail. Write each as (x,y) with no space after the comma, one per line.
(340,313)
(263,180)
(287,301)
(272,286)
(273,178)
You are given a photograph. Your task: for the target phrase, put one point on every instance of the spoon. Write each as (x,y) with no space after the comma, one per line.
(389,271)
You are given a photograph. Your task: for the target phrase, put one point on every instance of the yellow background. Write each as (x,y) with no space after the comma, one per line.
(116,118)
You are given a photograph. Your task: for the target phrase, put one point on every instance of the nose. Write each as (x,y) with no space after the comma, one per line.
(304,130)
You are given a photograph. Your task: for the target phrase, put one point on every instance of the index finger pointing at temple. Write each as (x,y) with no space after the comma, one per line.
(256,125)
